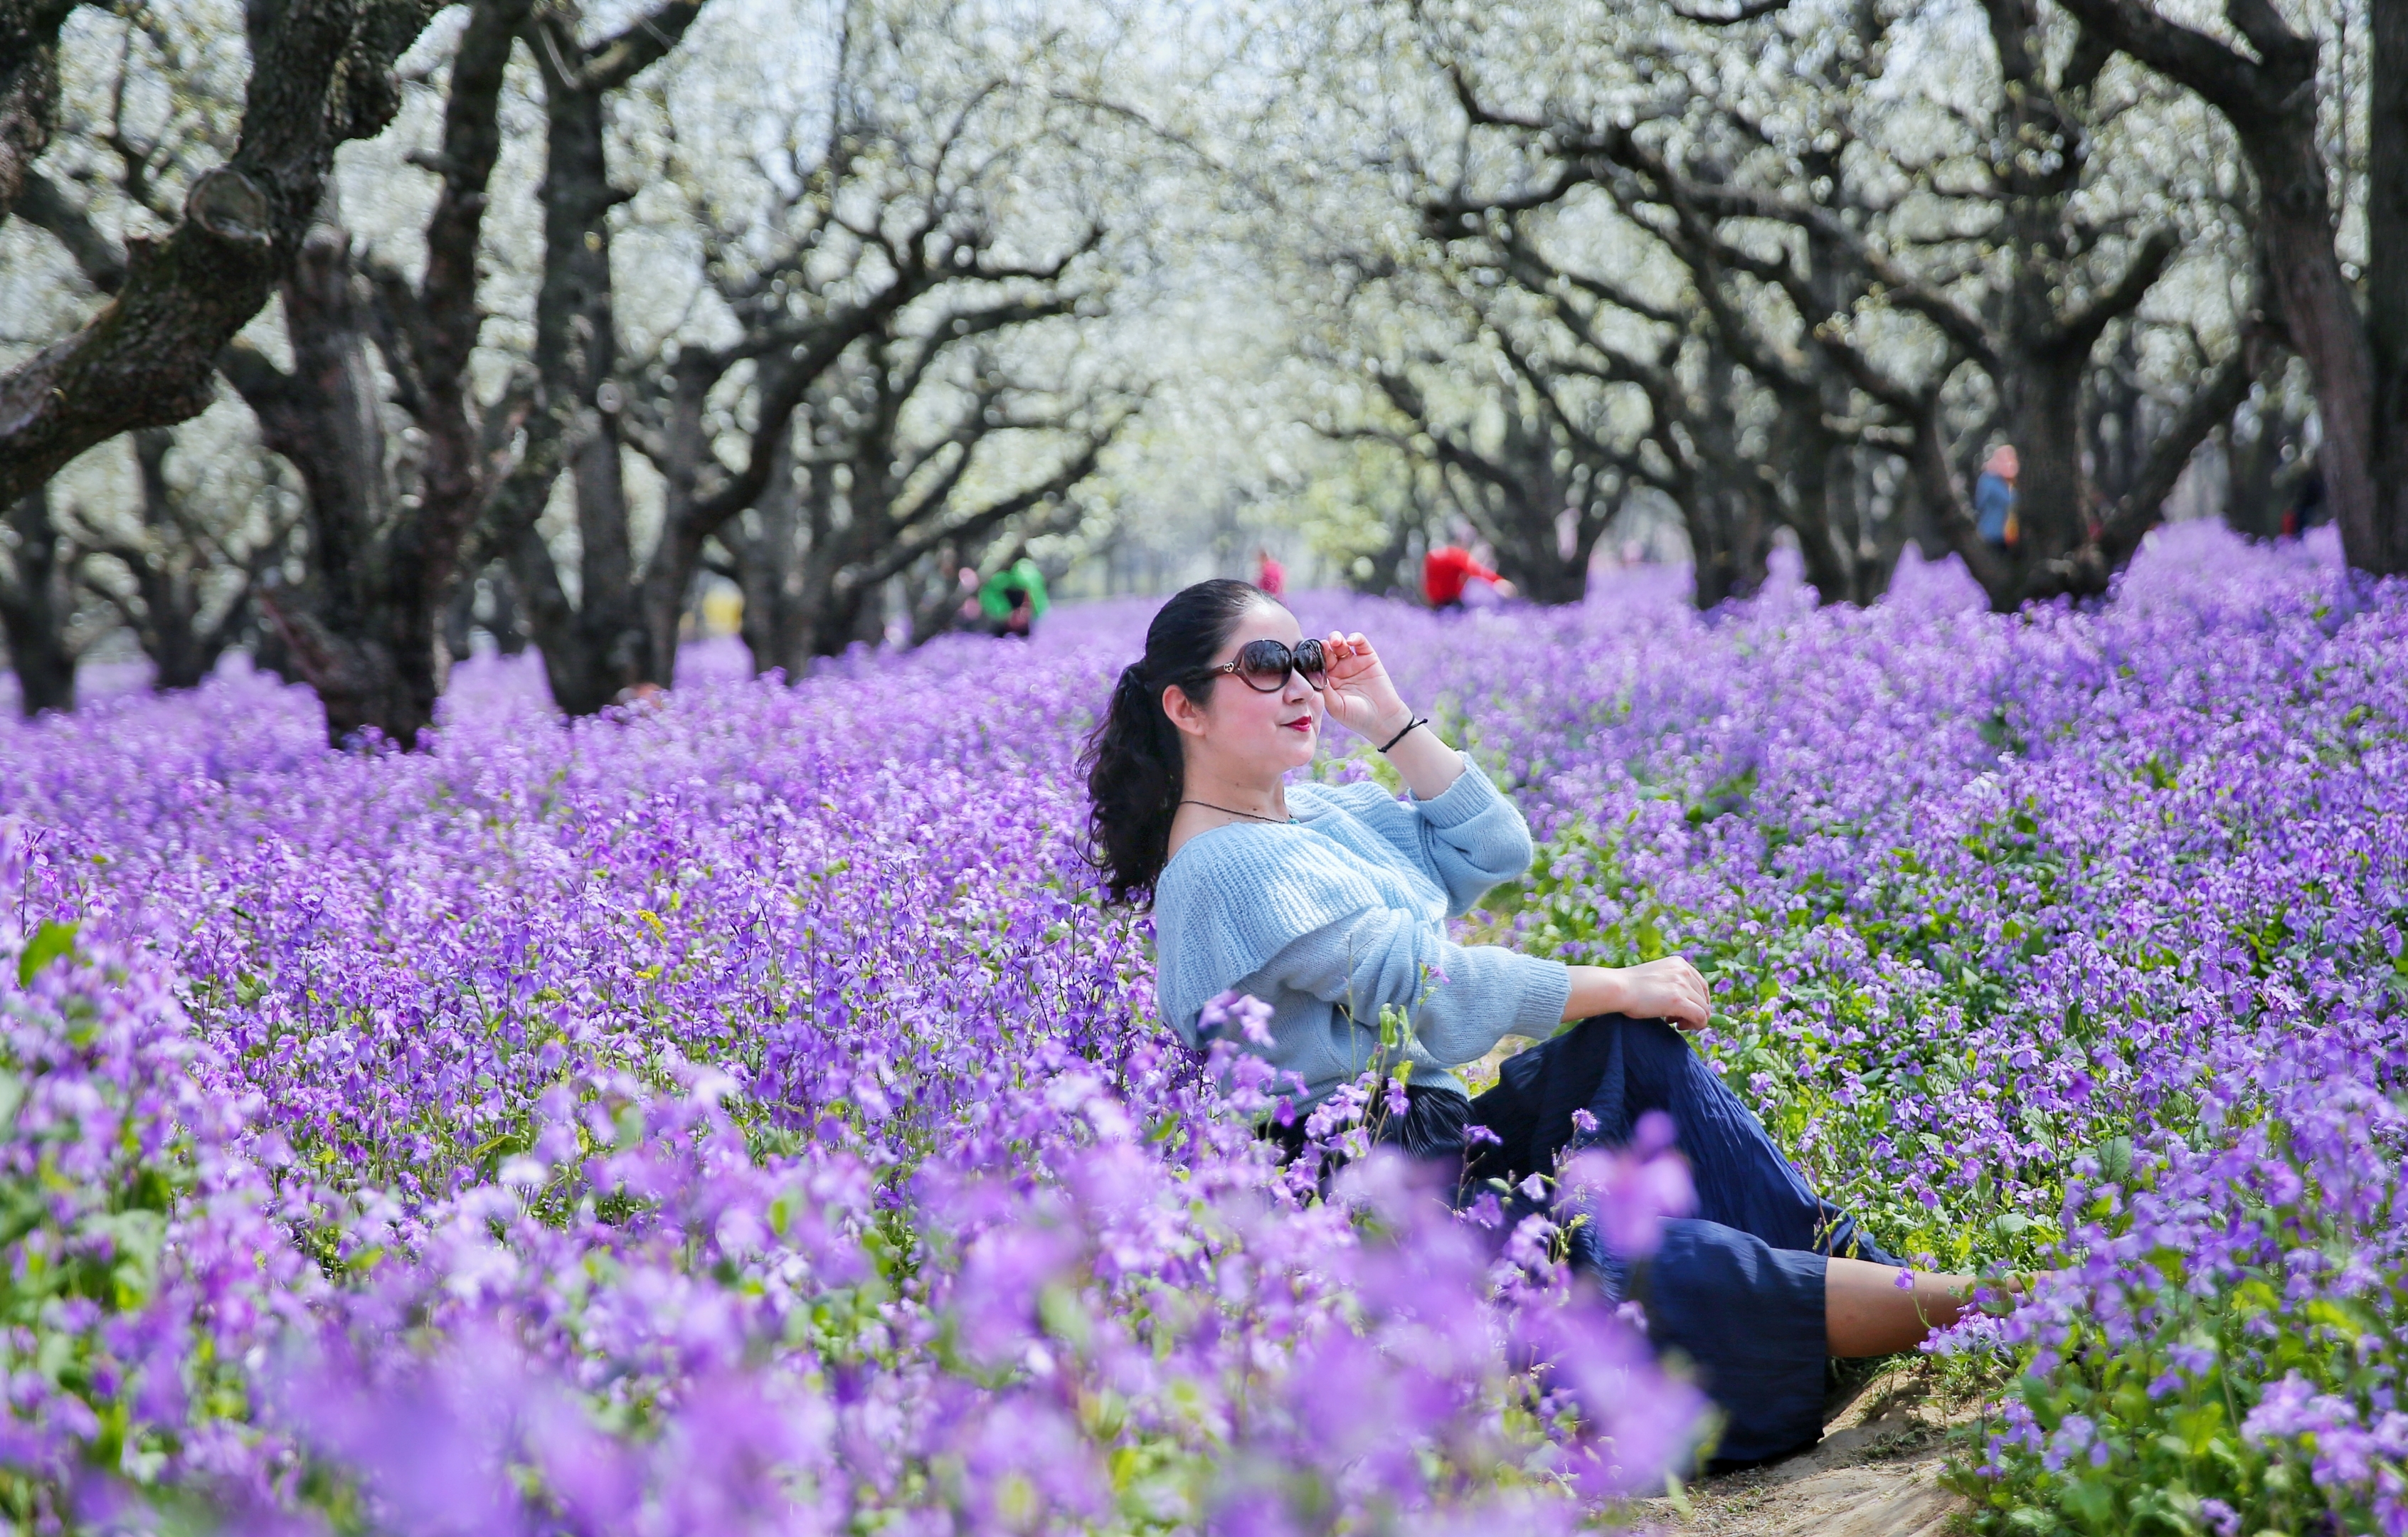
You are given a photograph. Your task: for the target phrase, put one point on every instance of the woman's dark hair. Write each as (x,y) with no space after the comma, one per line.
(1135,772)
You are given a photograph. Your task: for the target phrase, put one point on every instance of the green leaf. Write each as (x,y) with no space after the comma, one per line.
(2091,1499)
(50,942)
(2115,1158)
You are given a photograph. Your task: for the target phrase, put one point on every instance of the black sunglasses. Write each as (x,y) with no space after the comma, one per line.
(1263,666)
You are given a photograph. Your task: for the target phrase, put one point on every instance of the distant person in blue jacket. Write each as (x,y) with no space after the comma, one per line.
(1994,499)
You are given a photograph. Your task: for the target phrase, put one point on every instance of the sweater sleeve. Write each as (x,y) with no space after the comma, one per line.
(1378,956)
(1468,839)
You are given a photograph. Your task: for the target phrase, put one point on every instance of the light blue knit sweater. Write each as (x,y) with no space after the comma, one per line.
(1329,917)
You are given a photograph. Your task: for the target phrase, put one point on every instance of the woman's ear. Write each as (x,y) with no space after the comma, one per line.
(1184,712)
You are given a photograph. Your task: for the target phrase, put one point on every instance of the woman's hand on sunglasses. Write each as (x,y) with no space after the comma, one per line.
(1360,696)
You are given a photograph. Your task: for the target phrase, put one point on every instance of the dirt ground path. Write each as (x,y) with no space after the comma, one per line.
(1875,1473)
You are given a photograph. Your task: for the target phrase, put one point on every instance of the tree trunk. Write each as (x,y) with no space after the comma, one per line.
(1730,539)
(460,621)
(786,587)
(356,637)
(2114,421)
(419,575)
(366,634)
(1520,529)
(508,625)
(445,319)
(2255,496)
(1944,501)
(677,556)
(268,651)
(764,565)
(572,667)
(759,627)
(183,653)
(835,598)
(2321,316)
(1829,560)
(2088,569)
(1824,502)
(936,608)
(840,623)
(36,606)
(2044,423)
(2386,281)
(576,357)
(1879,537)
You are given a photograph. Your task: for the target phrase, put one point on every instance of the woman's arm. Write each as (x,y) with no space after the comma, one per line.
(1362,697)
(1669,989)
(1466,839)
(1459,829)
(1462,998)
(1428,765)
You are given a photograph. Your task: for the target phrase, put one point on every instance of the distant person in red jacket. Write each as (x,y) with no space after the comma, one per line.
(1448,569)
(1269,574)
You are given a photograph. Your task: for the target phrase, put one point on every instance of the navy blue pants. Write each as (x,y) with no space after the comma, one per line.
(1738,1287)
(1735,1289)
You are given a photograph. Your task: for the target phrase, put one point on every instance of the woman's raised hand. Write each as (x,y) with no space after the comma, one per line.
(1361,697)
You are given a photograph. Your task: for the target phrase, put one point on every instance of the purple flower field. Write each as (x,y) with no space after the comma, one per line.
(741,1116)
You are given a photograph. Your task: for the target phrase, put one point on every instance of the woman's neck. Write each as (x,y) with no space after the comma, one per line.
(1234,795)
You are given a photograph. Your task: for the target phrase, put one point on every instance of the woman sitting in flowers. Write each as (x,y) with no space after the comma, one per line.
(1328,904)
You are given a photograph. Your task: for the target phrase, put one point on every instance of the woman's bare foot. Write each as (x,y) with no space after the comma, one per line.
(1867,1313)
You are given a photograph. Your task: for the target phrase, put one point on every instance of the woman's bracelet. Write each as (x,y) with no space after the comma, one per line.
(1418,720)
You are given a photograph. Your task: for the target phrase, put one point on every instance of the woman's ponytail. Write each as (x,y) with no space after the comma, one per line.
(1136,768)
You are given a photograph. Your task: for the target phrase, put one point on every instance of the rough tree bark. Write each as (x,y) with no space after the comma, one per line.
(321,74)
(366,632)
(2358,363)
(171,567)
(325,418)
(37,600)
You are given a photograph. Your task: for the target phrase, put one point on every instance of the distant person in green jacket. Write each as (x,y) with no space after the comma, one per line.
(1013,599)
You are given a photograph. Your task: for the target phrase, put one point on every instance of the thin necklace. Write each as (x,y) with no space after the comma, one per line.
(1227,811)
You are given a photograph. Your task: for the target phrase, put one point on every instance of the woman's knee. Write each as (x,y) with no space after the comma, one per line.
(1658,1067)
(1641,1041)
